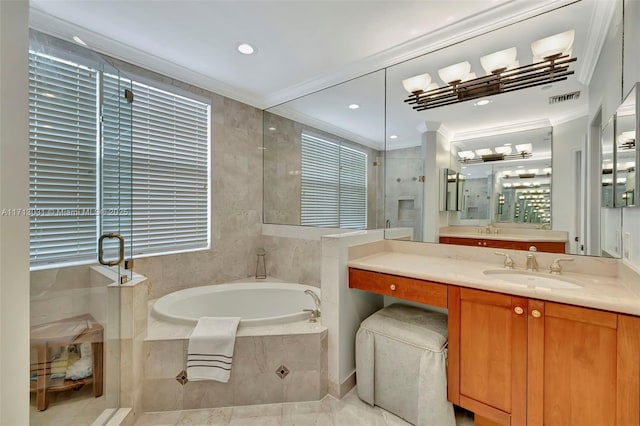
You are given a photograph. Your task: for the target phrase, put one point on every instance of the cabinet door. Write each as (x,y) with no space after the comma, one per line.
(487,354)
(582,366)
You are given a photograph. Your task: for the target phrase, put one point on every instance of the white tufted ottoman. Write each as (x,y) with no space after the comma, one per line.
(401,364)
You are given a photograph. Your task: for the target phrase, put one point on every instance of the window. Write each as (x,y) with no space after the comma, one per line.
(62,160)
(160,174)
(334,184)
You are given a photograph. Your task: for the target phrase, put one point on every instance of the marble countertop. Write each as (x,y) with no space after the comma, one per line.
(505,237)
(620,293)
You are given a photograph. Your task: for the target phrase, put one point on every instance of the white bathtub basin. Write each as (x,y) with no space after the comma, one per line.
(257,303)
(531,279)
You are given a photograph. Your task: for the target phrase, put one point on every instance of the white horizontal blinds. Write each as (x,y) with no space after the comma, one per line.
(353,188)
(319,182)
(170,171)
(116,158)
(62,160)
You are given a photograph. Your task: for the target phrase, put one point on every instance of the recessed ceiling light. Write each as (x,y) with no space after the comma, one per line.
(246,49)
(482,102)
(79,40)
(354,106)
(272,128)
(393,137)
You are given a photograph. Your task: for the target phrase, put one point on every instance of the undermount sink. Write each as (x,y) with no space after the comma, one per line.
(531,279)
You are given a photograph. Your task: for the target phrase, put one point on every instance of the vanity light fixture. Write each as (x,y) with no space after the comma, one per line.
(485,155)
(552,58)
(484,151)
(503,150)
(627,140)
(465,156)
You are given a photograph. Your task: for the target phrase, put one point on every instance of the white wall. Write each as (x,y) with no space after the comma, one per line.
(567,139)
(631,216)
(14,230)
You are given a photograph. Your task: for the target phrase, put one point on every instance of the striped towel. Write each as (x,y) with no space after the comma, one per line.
(211,349)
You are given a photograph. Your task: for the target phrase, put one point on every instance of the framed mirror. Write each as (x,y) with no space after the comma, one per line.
(627,185)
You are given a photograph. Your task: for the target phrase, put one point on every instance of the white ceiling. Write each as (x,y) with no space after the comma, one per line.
(302,46)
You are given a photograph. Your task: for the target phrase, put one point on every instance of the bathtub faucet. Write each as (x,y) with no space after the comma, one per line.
(315,313)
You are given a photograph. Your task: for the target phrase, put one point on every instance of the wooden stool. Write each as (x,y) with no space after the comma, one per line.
(68,331)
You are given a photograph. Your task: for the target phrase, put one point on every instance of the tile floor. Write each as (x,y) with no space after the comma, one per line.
(69,408)
(349,411)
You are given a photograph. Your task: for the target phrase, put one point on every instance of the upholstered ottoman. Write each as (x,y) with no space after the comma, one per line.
(401,364)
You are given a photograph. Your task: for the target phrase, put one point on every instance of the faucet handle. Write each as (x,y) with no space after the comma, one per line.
(314,314)
(555,267)
(508,262)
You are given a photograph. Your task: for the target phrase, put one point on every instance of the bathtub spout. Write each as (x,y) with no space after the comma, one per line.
(316,313)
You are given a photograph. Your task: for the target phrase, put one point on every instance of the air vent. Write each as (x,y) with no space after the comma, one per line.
(563,98)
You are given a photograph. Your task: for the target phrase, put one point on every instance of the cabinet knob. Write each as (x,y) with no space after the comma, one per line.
(484,244)
(518,310)
(479,243)
(536,313)
(392,287)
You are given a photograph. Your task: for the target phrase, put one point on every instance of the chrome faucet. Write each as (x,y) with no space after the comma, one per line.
(555,268)
(315,313)
(532,263)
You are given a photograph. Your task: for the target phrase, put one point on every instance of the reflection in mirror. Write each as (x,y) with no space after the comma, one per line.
(323,159)
(626,151)
(509,191)
(608,175)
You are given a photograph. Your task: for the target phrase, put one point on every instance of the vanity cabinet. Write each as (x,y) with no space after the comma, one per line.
(519,361)
(545,246)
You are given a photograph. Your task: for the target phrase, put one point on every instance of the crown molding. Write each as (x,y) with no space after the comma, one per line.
(302,118)
(473,26)
(54,26)
(599,24)
(500,130)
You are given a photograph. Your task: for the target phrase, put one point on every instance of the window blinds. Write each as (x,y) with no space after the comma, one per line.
(62,160)
(152,162)
(170,172)
(334,184)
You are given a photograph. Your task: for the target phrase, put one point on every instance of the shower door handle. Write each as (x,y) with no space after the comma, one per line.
(120,251)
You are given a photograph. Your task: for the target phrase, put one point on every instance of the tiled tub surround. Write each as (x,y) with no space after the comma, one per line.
(259,353)
(607,284)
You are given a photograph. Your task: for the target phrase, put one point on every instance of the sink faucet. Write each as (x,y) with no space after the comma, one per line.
(532,263)
(315,313)
(555,268)
(508,261)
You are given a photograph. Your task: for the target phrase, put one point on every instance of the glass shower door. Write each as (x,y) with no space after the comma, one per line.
(80,189)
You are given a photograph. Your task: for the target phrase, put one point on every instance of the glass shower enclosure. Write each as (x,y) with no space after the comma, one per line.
(80,114)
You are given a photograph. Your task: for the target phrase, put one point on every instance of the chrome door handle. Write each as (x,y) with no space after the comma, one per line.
(120,251)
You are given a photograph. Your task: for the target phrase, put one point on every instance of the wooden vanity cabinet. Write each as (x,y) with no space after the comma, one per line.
(518,361)
(545,246)
(487,354)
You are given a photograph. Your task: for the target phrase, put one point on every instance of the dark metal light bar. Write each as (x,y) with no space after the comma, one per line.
(548,71)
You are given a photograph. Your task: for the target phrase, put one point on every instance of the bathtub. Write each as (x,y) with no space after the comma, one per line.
(257,303)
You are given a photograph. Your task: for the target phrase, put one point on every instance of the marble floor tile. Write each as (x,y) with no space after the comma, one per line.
(349,411)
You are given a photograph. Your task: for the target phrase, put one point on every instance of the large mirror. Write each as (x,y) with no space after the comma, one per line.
(323,157)
(536,179)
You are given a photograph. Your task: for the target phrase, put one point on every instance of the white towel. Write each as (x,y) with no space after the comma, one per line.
(211,349)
